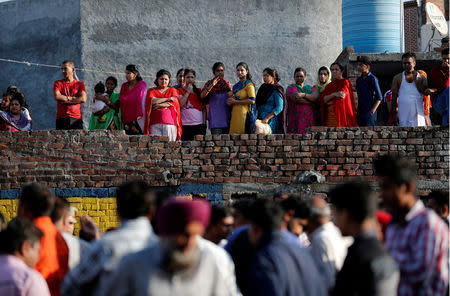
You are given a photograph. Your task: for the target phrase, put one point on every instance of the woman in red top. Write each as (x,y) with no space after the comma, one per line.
(132,100)
(162,109)
(192,117)
(337,103)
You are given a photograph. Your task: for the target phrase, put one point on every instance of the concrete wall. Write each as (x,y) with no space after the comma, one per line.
(41,31)
(159,34)
(109,34)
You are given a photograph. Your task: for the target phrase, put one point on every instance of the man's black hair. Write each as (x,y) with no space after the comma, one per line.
(364,60)
(38,199)
(357,198)
(398,170)
(134,199)
(302,210)
(219,212)
(441,197)
(243,206)
(292,203)
(16,233)
(266,214)
(61,206)
(408,55)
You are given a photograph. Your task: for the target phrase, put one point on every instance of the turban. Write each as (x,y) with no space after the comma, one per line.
(175,215)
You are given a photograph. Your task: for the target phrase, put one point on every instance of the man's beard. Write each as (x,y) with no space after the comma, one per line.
(175,260)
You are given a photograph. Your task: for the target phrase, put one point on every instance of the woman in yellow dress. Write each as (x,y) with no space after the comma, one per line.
(242,100)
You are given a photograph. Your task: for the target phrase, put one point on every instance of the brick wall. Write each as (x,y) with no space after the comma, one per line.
(86,167)
(411,24)
(100,159)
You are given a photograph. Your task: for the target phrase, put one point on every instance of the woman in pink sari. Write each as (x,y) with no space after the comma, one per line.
(132,101)
(301,104)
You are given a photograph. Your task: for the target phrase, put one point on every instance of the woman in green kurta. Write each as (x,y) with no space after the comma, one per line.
(111,111)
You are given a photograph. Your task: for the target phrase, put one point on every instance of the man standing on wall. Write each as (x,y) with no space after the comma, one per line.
(369,94)
(69,95)
(408,89)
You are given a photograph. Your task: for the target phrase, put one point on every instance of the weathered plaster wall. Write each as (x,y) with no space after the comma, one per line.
(109,34)
(39,31)
(173,34)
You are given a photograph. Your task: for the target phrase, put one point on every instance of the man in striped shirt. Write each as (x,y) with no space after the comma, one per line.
(416,238)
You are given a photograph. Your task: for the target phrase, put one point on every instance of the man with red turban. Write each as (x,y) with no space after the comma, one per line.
(175,265)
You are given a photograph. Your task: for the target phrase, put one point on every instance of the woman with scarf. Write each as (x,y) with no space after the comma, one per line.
(215,93)
(192,108)
(323,79)
(241,100)
(14,120)
(162,109)
(271,102)
(302,101)
(337,102)
(111,110)
(132,101)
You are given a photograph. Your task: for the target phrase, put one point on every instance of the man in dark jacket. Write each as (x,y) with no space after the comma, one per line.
(368,269)
(279,267)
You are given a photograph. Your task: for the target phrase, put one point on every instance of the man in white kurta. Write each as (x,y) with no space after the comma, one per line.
(408,89)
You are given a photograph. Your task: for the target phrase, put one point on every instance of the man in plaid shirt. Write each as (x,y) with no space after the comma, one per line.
(416,238)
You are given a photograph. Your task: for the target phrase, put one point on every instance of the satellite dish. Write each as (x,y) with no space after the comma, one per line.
(437,18)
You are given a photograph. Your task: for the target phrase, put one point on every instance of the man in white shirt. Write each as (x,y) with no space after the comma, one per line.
(64,222)
(328,247)
(135,208)
(408,89)
(179,264)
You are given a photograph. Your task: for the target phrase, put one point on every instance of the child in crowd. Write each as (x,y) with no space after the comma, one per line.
(99,104)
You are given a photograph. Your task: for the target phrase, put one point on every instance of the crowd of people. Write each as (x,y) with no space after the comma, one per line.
(184,110)
(270,245)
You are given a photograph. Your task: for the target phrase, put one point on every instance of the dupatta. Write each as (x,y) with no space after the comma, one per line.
(15,125)
(154,92)
(264,92)
(344,109)
(193,98)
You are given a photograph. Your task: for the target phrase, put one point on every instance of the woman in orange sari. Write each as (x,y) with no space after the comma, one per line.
(162,109)
(337,102)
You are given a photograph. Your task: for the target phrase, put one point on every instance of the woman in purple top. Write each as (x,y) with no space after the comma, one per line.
(215,93)
(14,120)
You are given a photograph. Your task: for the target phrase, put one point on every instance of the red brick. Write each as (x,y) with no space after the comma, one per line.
(207,168)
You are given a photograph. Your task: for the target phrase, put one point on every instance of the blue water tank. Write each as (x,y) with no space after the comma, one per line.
(372,26)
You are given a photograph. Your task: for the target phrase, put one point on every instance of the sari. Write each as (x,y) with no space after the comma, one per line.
(342,112)
(319,87)
(300,117)
(8,123)
(132,106)
(243,117)
(271,99)
(113,118)
(219,111)
(166,115)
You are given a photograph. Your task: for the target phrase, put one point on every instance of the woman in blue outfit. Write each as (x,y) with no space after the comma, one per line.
(271,102)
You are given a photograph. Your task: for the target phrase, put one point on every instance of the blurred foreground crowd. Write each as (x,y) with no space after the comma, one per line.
(274,245)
